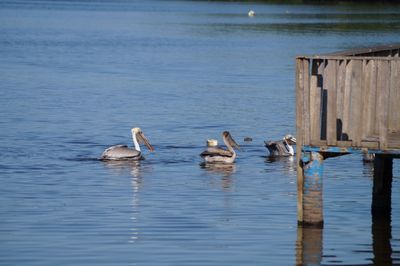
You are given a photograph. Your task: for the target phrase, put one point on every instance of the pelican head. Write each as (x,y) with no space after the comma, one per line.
(290,139)
(141,137)
(228,138)
(212,143)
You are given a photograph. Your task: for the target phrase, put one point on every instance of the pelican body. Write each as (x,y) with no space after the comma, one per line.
(218,155)
(281,147)
(123,152)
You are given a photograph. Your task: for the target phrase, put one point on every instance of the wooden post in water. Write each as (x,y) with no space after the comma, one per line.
(382,188)
(381,210)
(312,207)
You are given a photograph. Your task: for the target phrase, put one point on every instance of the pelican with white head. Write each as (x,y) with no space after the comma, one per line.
(123,152)
(281,147)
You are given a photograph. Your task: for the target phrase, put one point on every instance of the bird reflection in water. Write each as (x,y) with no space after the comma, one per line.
(288,163)
(122,167)
(222,169)
(134,169)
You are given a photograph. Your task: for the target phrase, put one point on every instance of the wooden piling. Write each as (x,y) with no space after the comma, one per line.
(312,207)
(382,187)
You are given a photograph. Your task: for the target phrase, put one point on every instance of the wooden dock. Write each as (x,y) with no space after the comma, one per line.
(346,102)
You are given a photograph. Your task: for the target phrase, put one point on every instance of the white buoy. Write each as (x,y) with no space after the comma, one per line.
(251,13)
(212,143)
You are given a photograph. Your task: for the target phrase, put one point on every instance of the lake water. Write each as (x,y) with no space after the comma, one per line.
(77,75)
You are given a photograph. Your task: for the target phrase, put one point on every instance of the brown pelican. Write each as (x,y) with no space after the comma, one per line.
(219,155)
(122,152)
(281,147)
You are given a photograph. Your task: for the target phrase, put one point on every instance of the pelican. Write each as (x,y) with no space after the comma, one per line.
(281,147)
(368,157)
(122,152)
(218,155)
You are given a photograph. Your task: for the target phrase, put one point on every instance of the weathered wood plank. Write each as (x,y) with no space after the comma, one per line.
(366,51)
(299,100)
(341,81)
(317,70)
(330,87)
(394,97)
(300,91)
(369,99)
(319,143)
(324,101)
(306,102)
(394,101)
(393,140)
(343,143)
(355,103)
(365,90)
(383,93)
(346,101)
(370,144)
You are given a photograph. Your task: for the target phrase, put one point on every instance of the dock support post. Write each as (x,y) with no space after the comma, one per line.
(382,187)
(381,209)
(310,191)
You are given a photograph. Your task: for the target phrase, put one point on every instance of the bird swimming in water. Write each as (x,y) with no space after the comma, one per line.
(123,152)
(251,13)
(368,157)
(281,147)
(218,155)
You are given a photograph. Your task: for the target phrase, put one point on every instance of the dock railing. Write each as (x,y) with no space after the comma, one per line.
(345,102)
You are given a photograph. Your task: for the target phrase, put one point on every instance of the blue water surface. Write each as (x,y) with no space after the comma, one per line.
(77,75)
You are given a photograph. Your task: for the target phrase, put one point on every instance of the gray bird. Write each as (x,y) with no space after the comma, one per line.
(123,152)
(281,147)
(219,155)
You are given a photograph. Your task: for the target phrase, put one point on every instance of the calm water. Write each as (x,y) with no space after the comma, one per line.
(77,75)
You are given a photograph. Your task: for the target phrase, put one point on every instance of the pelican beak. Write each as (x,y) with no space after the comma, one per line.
(237,146)
(233,142)
(144,140)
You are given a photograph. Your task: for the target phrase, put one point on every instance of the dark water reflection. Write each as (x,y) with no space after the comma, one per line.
(381,241)
(309,245)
